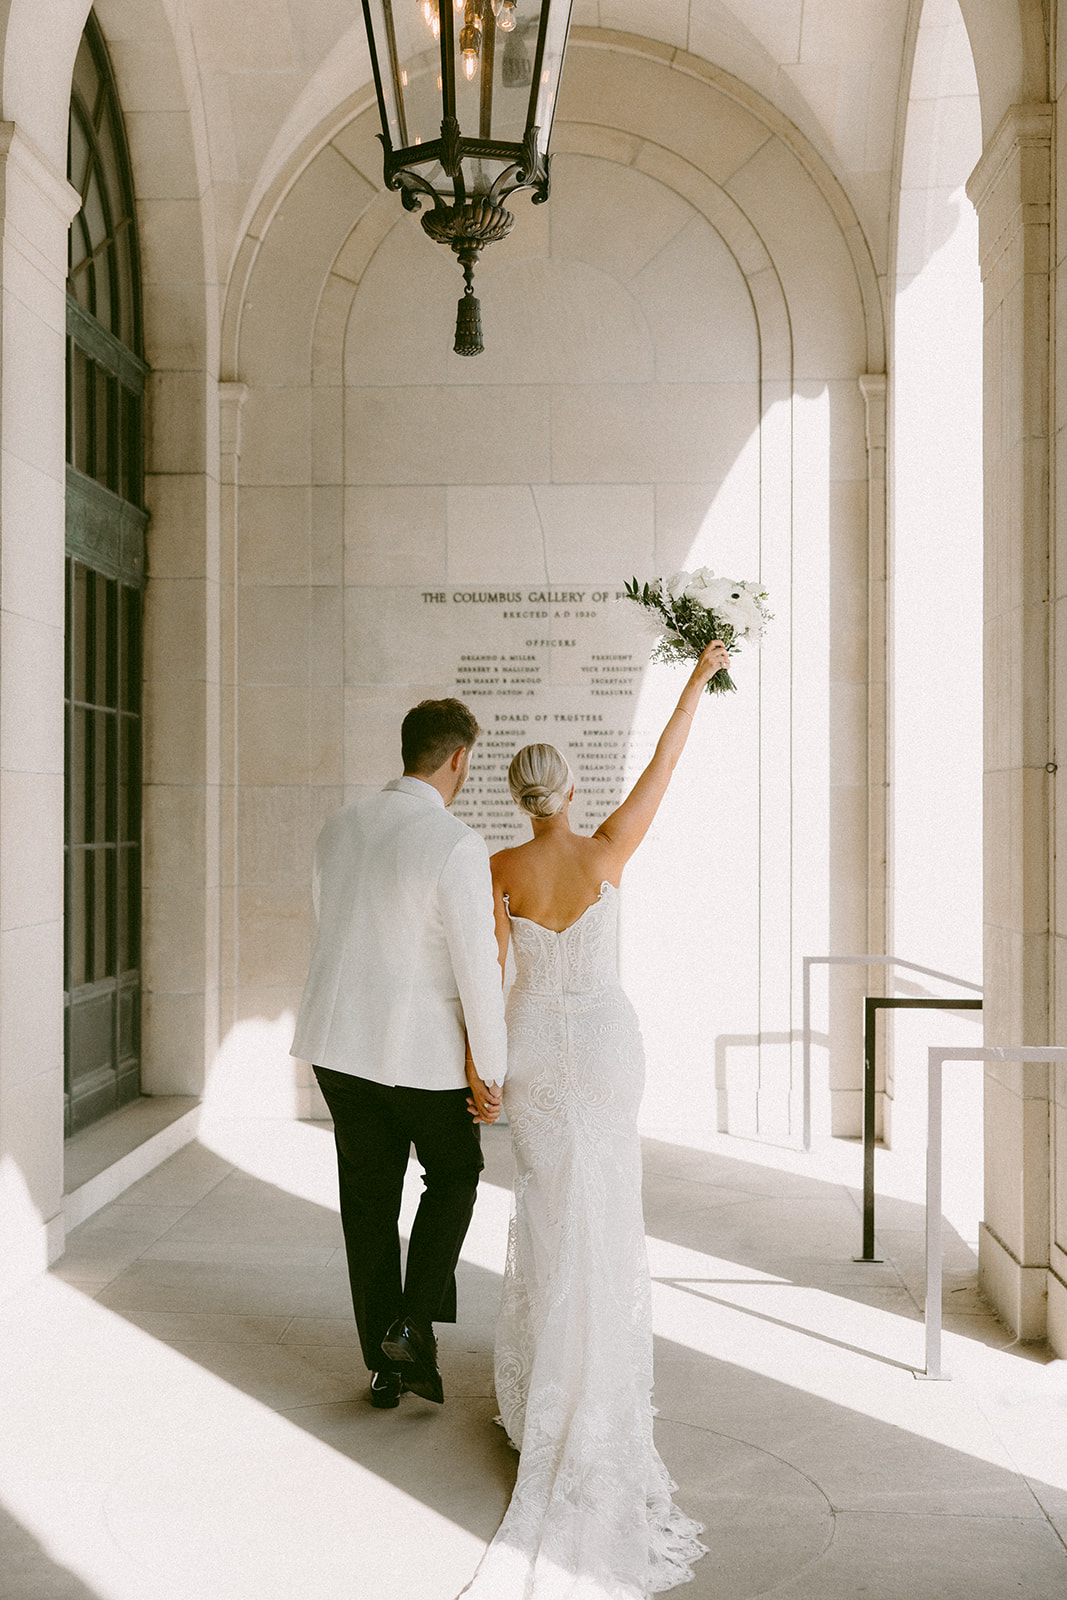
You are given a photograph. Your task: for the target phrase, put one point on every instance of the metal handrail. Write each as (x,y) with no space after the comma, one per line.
(854,961)
(937,1055)
(872,1004)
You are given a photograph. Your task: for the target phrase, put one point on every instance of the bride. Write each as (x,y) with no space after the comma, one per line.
(591,1517)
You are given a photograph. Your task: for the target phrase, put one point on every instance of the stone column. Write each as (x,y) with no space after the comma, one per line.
(182,721)
(873,389)
(1057,1276)
(232,397)
(1010,189)
(36,205)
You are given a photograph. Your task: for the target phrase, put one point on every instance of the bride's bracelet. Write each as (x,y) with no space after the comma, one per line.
(684,712)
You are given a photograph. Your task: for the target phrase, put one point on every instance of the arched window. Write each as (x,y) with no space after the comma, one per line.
(105,575)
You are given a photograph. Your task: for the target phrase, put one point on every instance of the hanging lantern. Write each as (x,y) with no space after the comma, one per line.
(467,92)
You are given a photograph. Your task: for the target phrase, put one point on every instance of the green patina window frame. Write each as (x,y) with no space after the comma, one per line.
(106,526)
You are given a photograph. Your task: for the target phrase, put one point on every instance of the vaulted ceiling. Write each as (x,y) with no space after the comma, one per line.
(270,69)
(263,75)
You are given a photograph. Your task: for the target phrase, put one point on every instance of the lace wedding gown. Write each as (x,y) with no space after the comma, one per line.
(591,1517)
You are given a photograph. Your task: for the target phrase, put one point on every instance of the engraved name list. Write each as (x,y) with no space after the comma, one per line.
(559,665)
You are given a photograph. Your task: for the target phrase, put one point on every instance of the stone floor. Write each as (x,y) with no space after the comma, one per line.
(183,1411)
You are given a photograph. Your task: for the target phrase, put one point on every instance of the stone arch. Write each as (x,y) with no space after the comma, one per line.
(715,204)
(701,137)
(1010,55)
(36,72)
(363,153)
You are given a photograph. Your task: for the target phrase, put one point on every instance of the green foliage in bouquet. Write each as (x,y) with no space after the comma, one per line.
(693,609)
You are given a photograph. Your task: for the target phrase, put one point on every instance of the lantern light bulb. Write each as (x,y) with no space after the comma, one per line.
(470,40)
(505,15)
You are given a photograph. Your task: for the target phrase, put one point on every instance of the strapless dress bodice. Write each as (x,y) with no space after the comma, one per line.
(577,960)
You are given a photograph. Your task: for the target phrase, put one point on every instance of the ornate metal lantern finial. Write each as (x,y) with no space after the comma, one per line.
(467,92)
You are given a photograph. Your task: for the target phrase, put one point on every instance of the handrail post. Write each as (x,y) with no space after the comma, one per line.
(853,961)
(806,1048)
(937,1055)
(869,1025)
(935,1071)
(872,1004)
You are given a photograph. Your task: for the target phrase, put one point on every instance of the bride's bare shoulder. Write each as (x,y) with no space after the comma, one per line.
(501,860)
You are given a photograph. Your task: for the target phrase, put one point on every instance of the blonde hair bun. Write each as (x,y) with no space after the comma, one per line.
(540,780)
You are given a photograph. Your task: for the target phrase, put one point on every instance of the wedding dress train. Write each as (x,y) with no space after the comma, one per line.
(591,1517)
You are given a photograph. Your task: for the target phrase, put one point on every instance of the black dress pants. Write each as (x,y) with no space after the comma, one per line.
(375,1126)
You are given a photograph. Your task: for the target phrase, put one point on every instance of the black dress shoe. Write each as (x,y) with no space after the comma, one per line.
(385,1390)
(414,1350)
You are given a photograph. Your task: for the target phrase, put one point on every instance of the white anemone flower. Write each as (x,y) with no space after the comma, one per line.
(743,613)
(700,579)
(714,594)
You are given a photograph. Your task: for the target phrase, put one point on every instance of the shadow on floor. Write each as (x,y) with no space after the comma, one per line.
(30,1573)
(248,1281)
(808,1230)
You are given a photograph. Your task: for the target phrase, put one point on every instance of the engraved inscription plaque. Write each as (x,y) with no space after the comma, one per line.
(558,665)
(554,665)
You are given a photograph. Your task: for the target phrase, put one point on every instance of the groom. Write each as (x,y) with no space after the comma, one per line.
(403,990)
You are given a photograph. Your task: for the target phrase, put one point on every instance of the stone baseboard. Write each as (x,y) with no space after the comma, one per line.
(1057,1314)
(1019,1294)
(114,1154)
(846,1114)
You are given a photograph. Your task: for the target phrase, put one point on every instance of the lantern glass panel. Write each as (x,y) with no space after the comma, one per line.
(476,58)
(495,101)
(515,55)
(551,70)
(409,70)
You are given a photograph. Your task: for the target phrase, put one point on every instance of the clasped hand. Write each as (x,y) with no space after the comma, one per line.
(485,1101)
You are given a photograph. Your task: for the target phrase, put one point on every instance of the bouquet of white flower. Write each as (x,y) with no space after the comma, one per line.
(693,608)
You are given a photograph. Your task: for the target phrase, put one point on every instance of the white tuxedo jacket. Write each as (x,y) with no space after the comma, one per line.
(405,955)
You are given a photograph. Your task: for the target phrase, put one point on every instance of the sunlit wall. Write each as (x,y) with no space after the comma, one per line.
(937,587)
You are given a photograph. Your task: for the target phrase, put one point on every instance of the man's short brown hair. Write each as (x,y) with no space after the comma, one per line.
(433,731)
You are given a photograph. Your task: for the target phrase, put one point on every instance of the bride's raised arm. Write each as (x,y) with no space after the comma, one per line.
(623,831)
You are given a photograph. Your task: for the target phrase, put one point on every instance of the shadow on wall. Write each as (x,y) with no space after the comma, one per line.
(22,1234)
(739,1073)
